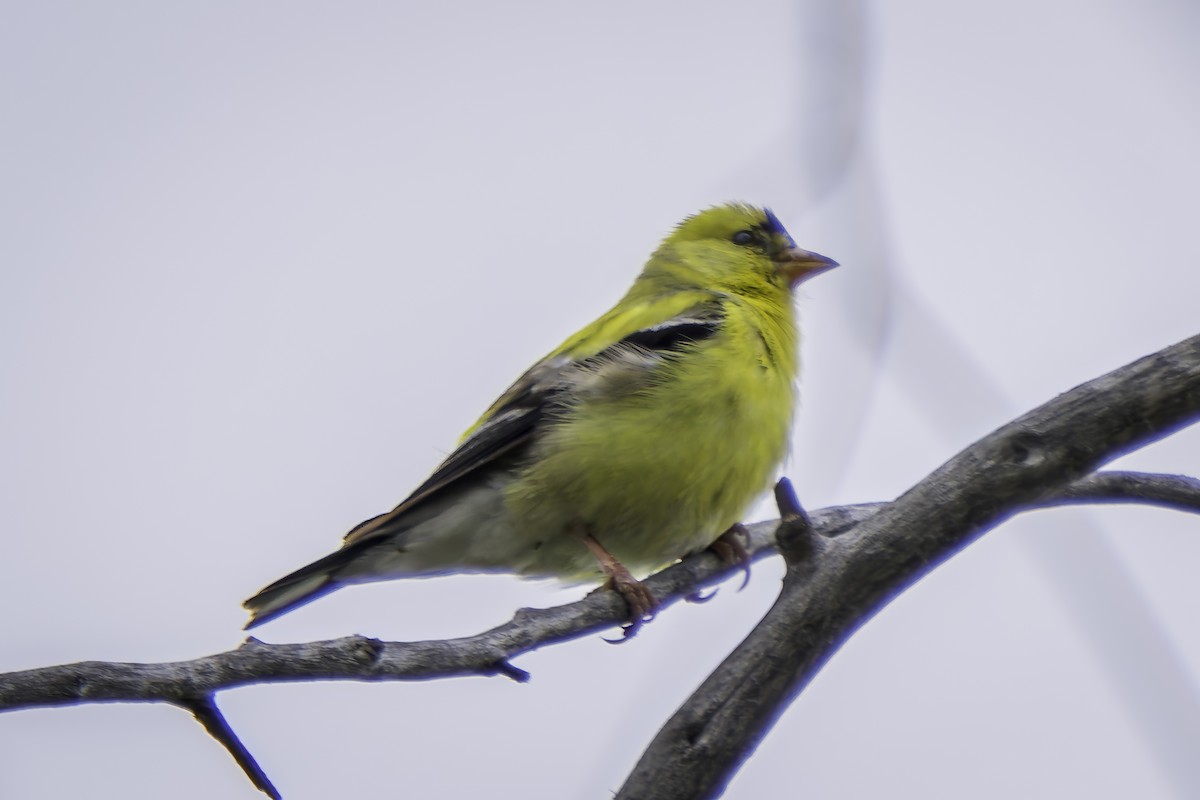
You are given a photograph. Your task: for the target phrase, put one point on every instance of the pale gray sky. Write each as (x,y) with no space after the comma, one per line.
(263,262)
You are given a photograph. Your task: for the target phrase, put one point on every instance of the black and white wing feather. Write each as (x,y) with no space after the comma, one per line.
(548,387)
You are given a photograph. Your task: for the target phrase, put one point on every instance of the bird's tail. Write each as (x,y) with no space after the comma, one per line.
(302,586)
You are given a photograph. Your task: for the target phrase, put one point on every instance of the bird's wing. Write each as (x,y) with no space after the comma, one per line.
(550,385)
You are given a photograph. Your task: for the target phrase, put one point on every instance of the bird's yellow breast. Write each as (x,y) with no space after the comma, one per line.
(656,474)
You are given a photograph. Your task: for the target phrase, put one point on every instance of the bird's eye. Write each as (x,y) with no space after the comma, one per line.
(745,237)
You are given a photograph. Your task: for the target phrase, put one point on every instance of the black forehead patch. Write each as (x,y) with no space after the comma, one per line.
(775,227)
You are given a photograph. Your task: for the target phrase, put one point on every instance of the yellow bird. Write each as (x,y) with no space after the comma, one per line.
(637,441)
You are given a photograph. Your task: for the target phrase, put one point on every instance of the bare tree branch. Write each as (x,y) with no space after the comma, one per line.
(362,658)
(487,653)
(359,658)
(828,597)
(843,566)
(1179,492)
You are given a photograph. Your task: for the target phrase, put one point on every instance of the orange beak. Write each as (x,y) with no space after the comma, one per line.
(798,265)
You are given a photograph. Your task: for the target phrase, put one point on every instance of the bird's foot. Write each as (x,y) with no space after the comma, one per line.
(729,548)
(641,601)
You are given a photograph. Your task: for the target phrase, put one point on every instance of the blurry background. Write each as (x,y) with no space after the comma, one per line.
(262,263)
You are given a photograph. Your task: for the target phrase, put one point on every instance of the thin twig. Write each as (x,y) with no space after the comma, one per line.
(1178,492)
(205,710)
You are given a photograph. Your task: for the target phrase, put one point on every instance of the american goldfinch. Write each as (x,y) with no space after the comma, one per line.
(637,441)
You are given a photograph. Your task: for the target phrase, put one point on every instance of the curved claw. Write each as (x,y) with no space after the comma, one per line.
(641,601)
(639,612)
(630,630)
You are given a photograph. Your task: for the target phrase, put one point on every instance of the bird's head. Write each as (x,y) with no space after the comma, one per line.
(735,246)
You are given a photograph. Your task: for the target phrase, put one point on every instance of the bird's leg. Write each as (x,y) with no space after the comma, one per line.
(642,603)
(729,548)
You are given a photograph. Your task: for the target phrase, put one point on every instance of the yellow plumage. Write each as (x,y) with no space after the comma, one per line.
(639,440)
